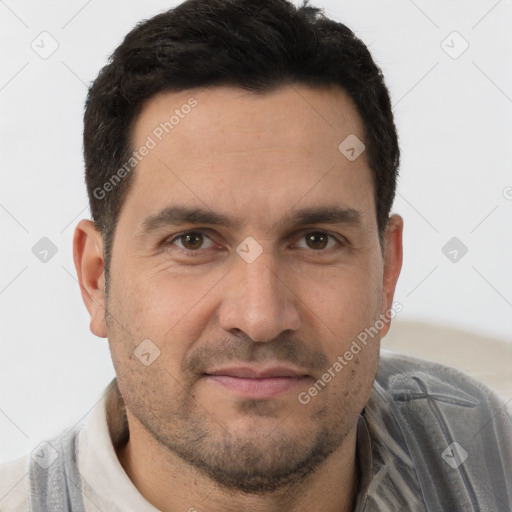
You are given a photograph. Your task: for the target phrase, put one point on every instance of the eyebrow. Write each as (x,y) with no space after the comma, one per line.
(178,215)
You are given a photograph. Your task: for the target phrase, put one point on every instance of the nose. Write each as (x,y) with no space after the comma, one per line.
(259,301)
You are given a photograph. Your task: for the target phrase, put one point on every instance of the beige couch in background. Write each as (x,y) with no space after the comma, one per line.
(487,359)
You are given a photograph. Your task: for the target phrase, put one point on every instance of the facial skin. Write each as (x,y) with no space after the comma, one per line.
(256,159)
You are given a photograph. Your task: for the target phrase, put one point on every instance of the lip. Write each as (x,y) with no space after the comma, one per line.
(251,372)
(251,382)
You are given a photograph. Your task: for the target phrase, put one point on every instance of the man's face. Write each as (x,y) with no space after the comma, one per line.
(247,317)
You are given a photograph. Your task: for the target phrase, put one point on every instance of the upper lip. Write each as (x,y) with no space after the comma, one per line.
(251,372)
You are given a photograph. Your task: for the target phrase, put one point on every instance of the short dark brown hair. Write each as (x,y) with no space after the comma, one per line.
(255,45)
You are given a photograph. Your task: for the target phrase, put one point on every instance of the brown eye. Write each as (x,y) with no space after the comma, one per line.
(190,241)
(318,240)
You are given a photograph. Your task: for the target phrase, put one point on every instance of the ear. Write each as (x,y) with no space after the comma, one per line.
(392,265)
(89,264)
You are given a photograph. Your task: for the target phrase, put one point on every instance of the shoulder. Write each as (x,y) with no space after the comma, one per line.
(24,477)
(436,405)
(456,430)
(14,485)
(400,372)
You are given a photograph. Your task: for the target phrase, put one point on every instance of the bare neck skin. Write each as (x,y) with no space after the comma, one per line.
(172,485)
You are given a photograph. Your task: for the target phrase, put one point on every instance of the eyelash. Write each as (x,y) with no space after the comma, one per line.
(169,242)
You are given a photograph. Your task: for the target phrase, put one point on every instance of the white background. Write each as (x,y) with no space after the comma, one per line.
(454,118)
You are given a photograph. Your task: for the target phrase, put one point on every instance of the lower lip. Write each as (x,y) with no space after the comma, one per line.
(257,388)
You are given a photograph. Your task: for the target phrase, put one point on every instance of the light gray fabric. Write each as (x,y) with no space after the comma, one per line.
(58,487)
(432,406)
(416,411)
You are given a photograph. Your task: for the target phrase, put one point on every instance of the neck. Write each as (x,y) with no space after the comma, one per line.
(172,485)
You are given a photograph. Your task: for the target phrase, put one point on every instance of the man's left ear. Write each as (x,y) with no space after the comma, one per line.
(392,265)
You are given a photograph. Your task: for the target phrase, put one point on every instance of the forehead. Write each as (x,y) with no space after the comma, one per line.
(259,154)
(292,115)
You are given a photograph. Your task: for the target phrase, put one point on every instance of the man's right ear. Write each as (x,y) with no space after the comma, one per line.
(89,265)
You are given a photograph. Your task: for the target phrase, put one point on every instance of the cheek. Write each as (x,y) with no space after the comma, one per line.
(344,312)
(346,301)
(168,310)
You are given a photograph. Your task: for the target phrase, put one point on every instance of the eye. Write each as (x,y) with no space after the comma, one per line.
(319,240)
(191,241)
